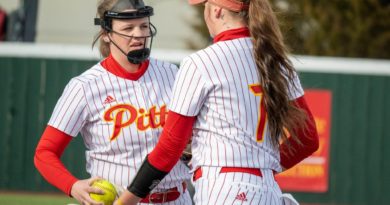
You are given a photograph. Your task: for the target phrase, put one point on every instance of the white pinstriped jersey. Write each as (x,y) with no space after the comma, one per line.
(120,120)
(220,86)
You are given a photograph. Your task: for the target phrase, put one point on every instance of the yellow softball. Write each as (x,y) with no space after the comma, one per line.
(109,192)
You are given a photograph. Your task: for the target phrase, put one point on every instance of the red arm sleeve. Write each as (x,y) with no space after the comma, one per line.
(47,159)
(308,138)
(174,138)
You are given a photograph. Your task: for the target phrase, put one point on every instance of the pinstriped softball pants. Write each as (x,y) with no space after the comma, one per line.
(215,188)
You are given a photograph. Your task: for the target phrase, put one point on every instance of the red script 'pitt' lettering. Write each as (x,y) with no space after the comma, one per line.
(149,120)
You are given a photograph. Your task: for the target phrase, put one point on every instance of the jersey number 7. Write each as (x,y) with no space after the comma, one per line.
(257,90)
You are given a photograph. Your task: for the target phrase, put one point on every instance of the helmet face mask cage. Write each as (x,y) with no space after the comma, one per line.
(140,55)
(137,10)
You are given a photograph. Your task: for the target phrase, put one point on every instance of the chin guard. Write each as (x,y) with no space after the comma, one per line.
(138,56)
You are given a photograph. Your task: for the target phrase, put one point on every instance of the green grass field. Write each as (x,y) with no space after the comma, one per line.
(44,199)
(35,199)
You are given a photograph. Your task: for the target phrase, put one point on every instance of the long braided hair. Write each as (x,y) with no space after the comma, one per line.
(274,68)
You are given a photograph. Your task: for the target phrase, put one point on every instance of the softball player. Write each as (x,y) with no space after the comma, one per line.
(235,98)
(119,106)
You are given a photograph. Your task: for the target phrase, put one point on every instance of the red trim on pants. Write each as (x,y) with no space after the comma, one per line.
(255,171)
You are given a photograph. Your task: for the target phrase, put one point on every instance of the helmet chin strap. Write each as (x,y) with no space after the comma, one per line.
(136,56)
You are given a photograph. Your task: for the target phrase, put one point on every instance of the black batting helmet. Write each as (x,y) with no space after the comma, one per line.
(121,10)
(129,9)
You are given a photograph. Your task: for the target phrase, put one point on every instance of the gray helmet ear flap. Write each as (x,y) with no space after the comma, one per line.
(105,23)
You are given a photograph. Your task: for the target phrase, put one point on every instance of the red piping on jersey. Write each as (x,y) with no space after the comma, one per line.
(112,66)
(254,171)
(232,34)
(174,138)
(290,156)
(47,159)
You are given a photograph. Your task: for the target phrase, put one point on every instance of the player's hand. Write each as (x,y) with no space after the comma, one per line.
(81,190)
(186,156)
(127,198)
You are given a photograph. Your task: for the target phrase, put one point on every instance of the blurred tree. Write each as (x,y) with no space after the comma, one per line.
(346,28)
(349,28)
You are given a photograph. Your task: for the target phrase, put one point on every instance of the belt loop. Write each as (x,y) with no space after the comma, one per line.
(184,186)
(164,197)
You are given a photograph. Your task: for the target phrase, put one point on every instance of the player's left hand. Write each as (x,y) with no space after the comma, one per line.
(186,156)
(81,190)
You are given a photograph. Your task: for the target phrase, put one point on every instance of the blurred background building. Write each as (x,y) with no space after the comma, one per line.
(322,28)
(71,21)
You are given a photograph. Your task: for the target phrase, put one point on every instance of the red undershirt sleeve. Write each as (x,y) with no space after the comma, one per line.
(47,159)
(174,138)
(308,138)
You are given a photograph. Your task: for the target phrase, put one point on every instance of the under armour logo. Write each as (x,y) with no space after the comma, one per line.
(241,196)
